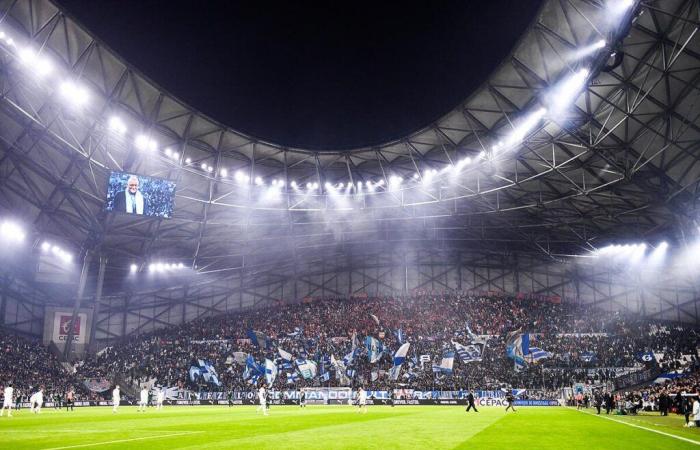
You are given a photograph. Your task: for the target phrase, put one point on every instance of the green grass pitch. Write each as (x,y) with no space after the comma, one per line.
(331,427)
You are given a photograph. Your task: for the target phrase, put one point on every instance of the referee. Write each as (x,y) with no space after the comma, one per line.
(470,399)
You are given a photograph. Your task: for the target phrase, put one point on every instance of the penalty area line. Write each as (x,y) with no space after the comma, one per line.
(118,441)
(623,422)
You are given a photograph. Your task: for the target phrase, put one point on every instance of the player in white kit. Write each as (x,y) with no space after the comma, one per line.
(144,400)
(262,397)
(361,400)
(160,397)
(36,400)
(116,398)
(7,403)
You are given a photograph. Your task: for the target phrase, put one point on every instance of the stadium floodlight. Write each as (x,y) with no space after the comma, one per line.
(309,185)
(380,182)
(203,166)
(168,152)
(587,50)
(40,66)
(160,267)
(341,185)
(180,266)
(210,169)
(117,125)
(151,267)
(518,134)
(314,185)
(133,268)
(77,95)
(294,185)
(328,186)
(223,172)
(259,181)
(566,92)
(176,156)
(45,246)
(188,160)
(11,232)
(600,44)
(143,142)
(416,176)
(619,7)
(280,183)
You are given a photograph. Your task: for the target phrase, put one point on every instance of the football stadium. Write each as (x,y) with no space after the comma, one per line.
(449,225)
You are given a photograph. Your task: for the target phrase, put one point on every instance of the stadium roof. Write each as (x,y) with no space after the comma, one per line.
(621,162)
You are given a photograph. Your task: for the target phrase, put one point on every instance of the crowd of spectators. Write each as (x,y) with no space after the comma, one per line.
(428,321)
(587,345)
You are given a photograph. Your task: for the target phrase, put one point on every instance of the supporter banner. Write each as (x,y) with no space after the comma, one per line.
(61,327)
(97,384)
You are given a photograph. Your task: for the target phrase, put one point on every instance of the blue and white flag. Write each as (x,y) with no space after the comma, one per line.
(399,335)
(668,376)
(292,378)
(374,349)
(296,333)
(537,354)
(270,372)
(588,357)
(258,338)
(307,368)
(286,365)
(350,373)
(204,370)
(517,346)
(285,355)
(253,370)
(325,377)
(447,362)
(646,357)
(469,353)
(399,358)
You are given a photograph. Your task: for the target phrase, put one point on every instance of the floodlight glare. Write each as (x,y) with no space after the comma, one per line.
(210,169)
(45,246)
(168,151)
(223,172)
(566,92)
(41,66)
(133,268)
(294,185)
(188,161)
(116,125)
(176,155)
(258,181)
(11,232)
(143,142)
(77,95)
(180,266)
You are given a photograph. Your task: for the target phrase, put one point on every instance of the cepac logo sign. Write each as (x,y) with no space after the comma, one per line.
(64,327)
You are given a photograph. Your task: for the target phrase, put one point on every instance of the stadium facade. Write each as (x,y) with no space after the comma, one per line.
(458,205)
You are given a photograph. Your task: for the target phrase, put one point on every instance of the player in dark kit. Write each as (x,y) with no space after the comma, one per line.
(230,398)
(392,397)
(597,401)
(302,399)
(511,400)
(470,400)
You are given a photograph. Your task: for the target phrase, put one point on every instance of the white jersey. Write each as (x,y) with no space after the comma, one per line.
(261,395)
(116,395)
(144,396)
(362,397)
(9,392)
(37,397)
(161,397)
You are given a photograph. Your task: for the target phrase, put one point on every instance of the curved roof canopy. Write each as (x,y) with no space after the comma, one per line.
(564,146)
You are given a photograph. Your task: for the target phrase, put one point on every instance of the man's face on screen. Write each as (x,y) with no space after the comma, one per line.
(133,185)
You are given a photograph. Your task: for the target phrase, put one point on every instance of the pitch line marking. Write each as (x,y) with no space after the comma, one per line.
(624,422)
(118,441)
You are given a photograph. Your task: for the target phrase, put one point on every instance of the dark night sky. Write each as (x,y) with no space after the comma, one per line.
(319,76)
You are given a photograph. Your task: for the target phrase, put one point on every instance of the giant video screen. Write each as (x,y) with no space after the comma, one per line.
(129,193)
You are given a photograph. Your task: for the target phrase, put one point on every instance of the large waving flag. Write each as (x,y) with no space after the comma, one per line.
(270,372)
(469,353)
(258,338)
(285,355)
(307,368)
(374,349)
(536,354)
(292,378)
(400,335)
(253,370)
(399,358)
(447,362)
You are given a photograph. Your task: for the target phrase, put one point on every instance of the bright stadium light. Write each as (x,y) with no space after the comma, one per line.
(566,92)
(133,268)
(380,182)
(143,142)
(77,95)
(11,232)
(188,160)
(309,185)
(40,66)
(619,7)
(294,185)
(223,172)
(176,156)
(168,152)
(210,169)
(203,166)
(518,134)
(259,181)
(180,266)
(587,50)
(45,246)
(117,125)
